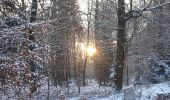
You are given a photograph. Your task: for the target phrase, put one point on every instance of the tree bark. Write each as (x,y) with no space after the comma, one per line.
(121,39)
(33,11)
(32,38)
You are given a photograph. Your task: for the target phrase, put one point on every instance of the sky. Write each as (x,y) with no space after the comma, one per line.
(83,3)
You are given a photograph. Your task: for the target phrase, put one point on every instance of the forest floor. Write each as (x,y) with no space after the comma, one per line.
(95,92)
(91,92)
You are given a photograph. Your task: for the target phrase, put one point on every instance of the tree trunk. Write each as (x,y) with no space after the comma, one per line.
(33,11)
(121,39)
(32,38)
(97,39)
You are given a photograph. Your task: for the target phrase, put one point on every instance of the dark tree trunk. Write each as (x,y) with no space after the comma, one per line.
(32,38)
(33,18)
(121,39)
(33,11)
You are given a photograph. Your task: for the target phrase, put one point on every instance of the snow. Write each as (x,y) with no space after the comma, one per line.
(4,56)
(112,97)
(142,93)
(95,92)
(149,93)
(163,63)
(92,92)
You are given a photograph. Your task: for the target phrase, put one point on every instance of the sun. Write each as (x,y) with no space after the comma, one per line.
(91,50)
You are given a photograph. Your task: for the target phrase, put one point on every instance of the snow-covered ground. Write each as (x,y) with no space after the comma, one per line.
(143,93)
(150,93)
(92,92)
(95,92)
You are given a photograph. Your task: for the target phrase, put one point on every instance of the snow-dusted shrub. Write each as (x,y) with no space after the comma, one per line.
(159,70)
(10,21)
(17,77)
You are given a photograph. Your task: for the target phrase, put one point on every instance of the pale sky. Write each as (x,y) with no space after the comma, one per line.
(83,3)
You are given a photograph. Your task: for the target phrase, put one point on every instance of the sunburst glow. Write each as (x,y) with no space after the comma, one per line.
(91,50)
